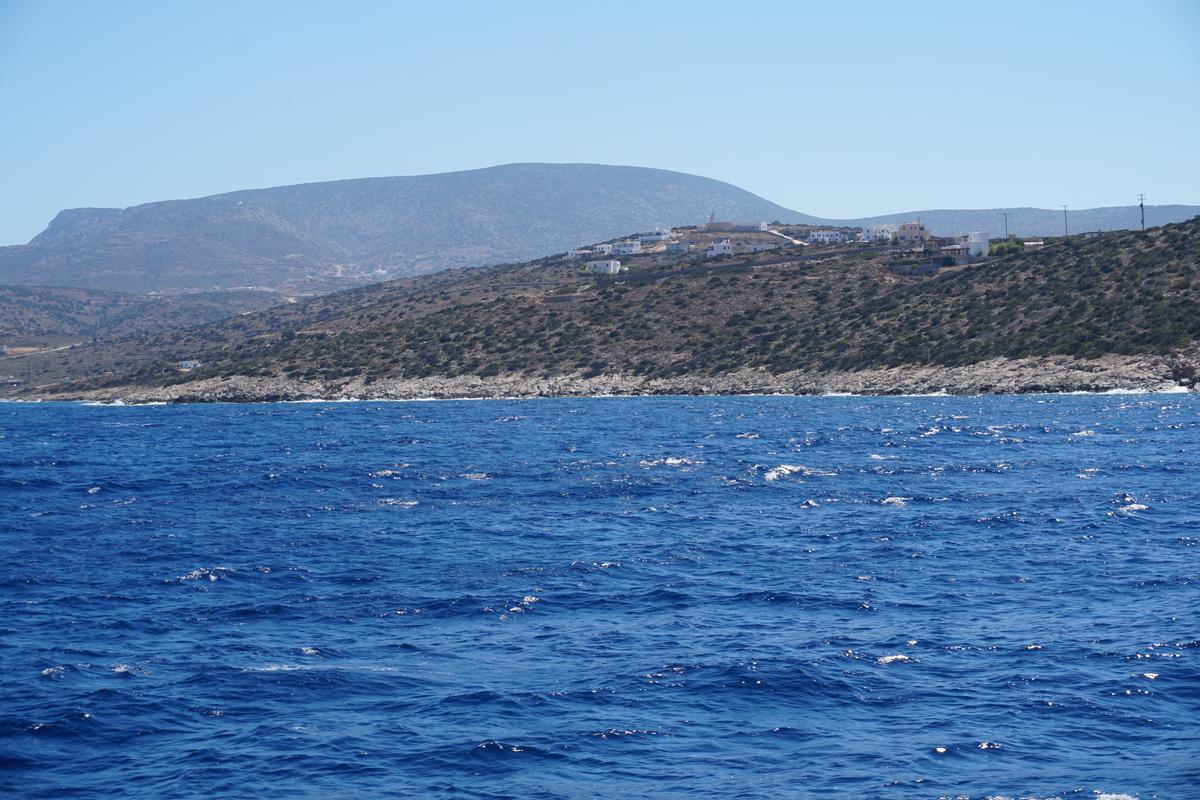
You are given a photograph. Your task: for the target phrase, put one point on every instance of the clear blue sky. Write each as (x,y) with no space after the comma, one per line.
(840,109)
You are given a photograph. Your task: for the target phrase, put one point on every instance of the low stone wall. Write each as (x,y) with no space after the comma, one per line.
(997,376)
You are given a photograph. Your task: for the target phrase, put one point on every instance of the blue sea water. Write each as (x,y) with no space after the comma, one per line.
(756,597)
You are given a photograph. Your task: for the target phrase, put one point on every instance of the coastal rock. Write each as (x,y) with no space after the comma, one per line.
(997,376)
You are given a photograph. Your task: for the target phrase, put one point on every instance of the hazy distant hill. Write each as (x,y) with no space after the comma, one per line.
(1032,221)
(343,232)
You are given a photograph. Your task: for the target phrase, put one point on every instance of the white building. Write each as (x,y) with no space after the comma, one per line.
(186,364)
(721,248)
(602,249)
(581,253)
(878,233)
(607,267)
(968,247)
(754,248)
(977,241)
(626,248)
(752,226)
(678,247)
(825,237)
(657,235)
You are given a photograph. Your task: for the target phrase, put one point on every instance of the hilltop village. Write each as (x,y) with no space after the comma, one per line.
(912,247)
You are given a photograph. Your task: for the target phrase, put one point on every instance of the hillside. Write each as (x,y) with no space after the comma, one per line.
(39,311)
(321,237)
(791,312)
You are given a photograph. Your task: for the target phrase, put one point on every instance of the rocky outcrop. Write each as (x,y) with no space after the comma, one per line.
(997,376)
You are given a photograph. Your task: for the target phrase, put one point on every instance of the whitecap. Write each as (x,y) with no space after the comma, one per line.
(211,574)
(1134,507)
(783,469)
(670,461)
(306,667)
(895,501)
(391,501)
(893,659)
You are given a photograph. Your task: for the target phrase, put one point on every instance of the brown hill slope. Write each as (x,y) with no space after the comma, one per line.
(1123,294)
(41,311)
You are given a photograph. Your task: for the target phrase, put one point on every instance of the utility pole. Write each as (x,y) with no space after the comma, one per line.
(1142,204)
(1065,231)
(1005,224)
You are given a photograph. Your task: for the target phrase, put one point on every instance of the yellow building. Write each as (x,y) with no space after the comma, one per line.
(911,232)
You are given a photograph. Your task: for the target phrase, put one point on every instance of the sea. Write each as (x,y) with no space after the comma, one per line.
(658,597)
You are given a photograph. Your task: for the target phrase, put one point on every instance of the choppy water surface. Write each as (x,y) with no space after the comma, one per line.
(608,598)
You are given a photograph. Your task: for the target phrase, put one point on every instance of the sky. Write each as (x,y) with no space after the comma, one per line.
(843,110)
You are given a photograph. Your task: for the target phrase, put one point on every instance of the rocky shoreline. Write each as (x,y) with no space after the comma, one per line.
(997,376)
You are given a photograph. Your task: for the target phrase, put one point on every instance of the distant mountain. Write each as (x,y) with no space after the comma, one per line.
(318,237)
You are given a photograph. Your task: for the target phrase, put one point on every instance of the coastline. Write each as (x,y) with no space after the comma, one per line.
(999,376)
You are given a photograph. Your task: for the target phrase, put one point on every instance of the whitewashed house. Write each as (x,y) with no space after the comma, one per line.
(825,237)
(678,247)
(721,248)
(602,249)
(755,248)
(878,233)
(627,247)
(978,243)
(186,364)
(607,267)
(657,235)
(580,253)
